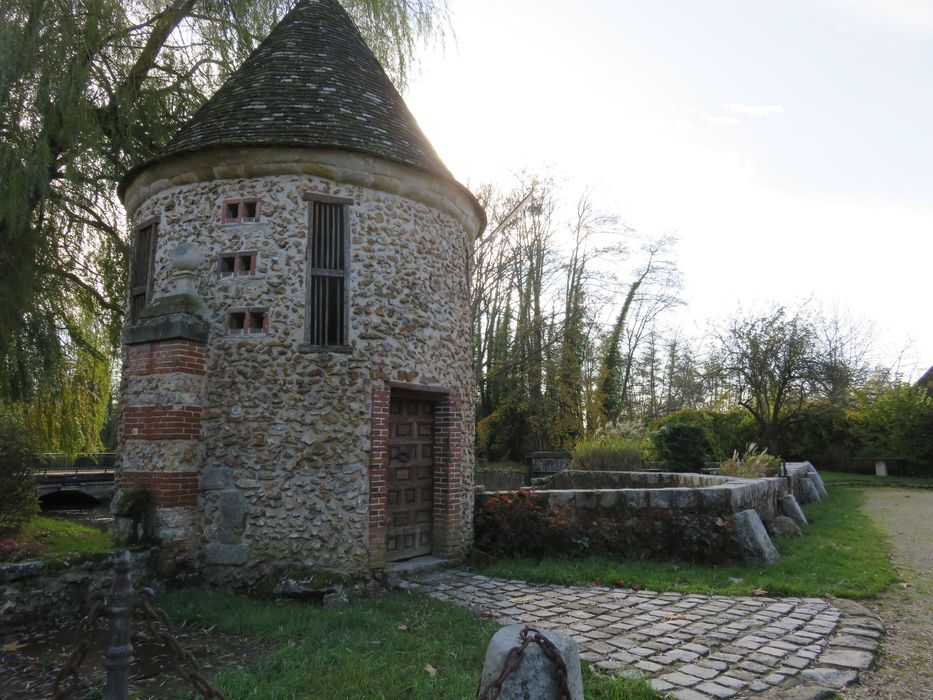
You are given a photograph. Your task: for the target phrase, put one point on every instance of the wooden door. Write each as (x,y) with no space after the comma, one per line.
(411,478)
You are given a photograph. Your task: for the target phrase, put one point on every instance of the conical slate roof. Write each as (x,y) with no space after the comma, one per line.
(313,83)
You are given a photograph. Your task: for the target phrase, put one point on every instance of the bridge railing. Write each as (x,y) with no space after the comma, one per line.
(52,465)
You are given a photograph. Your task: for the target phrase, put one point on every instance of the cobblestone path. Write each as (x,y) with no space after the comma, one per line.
(694,647)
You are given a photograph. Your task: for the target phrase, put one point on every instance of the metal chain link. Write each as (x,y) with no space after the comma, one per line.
(514,659)
(160,627)
(72,667)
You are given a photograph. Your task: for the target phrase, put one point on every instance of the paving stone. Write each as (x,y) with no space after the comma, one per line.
(649,666)
(680,679)
(716,690)
(722,656)
(848,658)
(774,679)
(712,663)
(853,642)
(731,682)
(687,694)
(699,671)
(758,686)
(659,685)
(861,631)
(830,677)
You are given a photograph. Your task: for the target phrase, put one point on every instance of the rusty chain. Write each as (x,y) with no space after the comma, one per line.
(528,636)
(72,667)
(161,629)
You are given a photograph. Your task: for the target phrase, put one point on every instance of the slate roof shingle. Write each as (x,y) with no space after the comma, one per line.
(312,83)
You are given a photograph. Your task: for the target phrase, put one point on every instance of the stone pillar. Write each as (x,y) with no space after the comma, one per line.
(163,398)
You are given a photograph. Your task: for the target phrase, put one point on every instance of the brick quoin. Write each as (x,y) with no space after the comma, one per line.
(378,468)
(168,489)
(165,356)
(162,422)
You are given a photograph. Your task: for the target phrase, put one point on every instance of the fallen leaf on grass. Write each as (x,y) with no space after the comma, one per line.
(431,670)
(491,614)
(760,592)
(907,585)
(13,646)
(404,628)
(736,579)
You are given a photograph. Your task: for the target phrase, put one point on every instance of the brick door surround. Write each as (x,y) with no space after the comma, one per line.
(447,525)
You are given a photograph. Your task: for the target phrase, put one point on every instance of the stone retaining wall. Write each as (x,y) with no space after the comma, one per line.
(59,588)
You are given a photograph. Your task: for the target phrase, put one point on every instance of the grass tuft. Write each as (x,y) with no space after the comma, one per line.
(49,537)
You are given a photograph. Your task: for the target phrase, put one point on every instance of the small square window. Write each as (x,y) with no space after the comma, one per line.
(236,322)
(240,264)
(226,264)
(248,322)
(236,211)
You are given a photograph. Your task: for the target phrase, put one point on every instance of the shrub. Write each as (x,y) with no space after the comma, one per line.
(521,523)
(726,431)
(897,423)
(612,453)
(753,464)
(681,446)
(820,433)
(19,501)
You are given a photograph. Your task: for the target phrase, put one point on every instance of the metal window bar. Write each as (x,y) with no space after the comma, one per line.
(326,275)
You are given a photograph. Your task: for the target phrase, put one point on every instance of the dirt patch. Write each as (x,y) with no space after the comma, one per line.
(31,656)
(905,671)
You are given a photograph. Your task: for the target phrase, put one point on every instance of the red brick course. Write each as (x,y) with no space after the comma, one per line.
(162,422)
(168,489)
(164,356)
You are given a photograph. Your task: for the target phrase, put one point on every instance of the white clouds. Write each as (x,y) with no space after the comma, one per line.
(736,108)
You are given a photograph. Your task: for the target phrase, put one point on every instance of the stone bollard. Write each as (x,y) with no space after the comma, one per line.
(789,506)
(753,538)
(808,492)
(533,675)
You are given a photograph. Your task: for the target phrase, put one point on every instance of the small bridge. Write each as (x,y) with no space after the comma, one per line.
(88,474)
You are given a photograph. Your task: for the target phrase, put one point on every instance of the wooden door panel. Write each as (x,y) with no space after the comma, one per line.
(411,478)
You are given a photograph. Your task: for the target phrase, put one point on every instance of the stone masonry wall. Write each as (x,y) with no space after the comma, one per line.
(284,472)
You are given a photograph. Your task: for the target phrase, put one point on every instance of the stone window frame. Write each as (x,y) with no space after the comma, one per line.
(242,204)
(248,329)
(346,203)
(143,290)
(252,256)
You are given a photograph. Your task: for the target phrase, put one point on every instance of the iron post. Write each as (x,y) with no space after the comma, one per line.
(119,654)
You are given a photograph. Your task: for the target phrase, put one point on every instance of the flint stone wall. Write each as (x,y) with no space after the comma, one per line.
(285,442)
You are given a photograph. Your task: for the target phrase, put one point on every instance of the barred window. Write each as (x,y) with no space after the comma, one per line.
(141,269)
(327,262)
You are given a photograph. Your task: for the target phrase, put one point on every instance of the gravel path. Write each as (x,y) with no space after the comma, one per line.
(906,668)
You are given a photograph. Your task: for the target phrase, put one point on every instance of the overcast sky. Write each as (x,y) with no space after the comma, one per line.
(789,143)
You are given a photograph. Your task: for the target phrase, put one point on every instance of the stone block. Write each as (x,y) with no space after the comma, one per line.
(636,499)
(818,482)
(535,678)
(782,526)
(808,492)
(830,677)
(226,554)
(789,507)
(753,538)
(216,479)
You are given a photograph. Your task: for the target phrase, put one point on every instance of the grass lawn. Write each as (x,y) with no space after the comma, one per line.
(842,553)
(847,479)
(49,537)
(402,645)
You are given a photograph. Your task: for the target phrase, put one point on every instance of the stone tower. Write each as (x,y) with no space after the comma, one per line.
(297,380)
